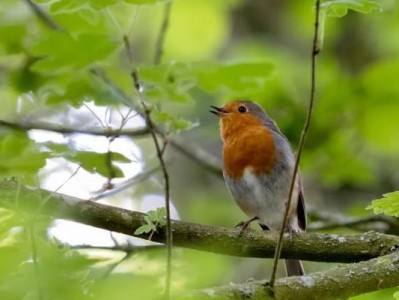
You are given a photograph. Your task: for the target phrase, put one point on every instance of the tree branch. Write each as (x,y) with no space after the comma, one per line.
(336,283)
(381,223)
(226,241)
(197,154)
(100,131)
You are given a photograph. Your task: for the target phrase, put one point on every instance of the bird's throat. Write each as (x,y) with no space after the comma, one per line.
(251,147)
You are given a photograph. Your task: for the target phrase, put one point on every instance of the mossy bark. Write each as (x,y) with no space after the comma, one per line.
(227,241)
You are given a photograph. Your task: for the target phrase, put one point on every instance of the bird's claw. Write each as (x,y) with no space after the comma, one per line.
(293,233)
(243,225)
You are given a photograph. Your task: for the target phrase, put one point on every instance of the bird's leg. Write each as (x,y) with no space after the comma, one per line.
(292,232)
(245,224)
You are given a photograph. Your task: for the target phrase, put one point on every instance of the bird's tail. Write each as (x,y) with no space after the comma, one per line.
(294,267)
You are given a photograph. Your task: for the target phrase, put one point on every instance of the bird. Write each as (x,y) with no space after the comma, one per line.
(258,164)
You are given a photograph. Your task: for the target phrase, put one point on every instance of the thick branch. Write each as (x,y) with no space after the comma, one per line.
(335,283)
(314,247)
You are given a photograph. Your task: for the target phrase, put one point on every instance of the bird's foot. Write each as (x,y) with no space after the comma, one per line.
(243,225)
(292,232)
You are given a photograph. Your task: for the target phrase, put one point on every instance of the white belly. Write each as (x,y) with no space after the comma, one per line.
(263,196)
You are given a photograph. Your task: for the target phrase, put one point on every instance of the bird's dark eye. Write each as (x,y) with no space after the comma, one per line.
(242,109)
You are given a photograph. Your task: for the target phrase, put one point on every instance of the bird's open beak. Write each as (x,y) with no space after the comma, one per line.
(219,111)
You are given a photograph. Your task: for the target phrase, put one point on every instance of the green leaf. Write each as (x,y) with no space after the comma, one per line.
(388,205)
(76,89)
(19,156)
(173,82)
(11,35)
(62,52)
(72,269)
(95,162)
(150,223)
(238,78)
(396,295)
(92,162)
(167,83)
(173,124)
(339,8)
(146,228)
(157,216)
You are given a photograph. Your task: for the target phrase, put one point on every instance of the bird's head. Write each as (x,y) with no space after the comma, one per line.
(239,114)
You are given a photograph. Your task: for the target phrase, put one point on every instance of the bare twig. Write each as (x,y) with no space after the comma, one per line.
(43,16)
(128,248)
(209,162)
(116,188)
(162,33)
(69,178)
(27,125)
(128,48)
(315,51)
(95,115)
(381,223)
(159,150)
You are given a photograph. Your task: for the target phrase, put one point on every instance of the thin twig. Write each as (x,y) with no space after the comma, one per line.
(28,125)
(159,150)
(43,16)
(116,188)
(125,257)
(95,115)
(162,33)
(315,51)
(69,178)
(113,266)
(128,48)
(128,248)
(380,223)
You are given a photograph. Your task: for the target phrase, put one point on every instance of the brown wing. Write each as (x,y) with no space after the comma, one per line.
(301,211)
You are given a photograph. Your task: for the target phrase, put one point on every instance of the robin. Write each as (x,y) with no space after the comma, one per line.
(258,162)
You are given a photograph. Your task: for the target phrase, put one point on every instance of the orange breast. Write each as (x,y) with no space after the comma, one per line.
(252,147)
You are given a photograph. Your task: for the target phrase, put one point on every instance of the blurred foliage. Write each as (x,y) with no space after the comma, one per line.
(20,156)
(71,52)
(339,8)
(388,205)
